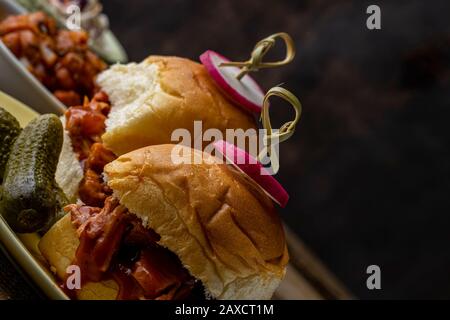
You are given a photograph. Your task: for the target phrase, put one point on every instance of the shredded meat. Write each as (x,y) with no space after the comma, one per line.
(86,124)
(100,236)
(160,274)
(60,59)
(92,190)
(98,157)
(81,214)
(108,236)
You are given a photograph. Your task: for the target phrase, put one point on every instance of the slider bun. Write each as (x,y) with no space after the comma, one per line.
(58,246)
(224,230)
(153,98)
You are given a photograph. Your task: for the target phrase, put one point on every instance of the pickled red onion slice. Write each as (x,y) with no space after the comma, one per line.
(254,169)
(245,92)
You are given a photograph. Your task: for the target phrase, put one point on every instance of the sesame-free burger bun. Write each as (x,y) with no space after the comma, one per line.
(153,98)
(224,230)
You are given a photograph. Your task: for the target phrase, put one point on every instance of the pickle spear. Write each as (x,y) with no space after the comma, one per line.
(9,130)
(31,199)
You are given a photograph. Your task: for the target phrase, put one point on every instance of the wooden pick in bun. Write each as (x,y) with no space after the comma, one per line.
(223,229)
(159,95)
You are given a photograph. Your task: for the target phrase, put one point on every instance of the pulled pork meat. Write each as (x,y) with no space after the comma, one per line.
(115,245)
(92,189)
(59,59)
(85,125)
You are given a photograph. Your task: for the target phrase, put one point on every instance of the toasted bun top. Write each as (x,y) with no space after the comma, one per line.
(225,231)
(153,98)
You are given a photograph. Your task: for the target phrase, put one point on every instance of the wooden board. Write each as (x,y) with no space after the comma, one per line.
(307,277)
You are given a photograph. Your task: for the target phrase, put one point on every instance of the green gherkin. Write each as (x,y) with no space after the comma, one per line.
(31,198)
(9,130)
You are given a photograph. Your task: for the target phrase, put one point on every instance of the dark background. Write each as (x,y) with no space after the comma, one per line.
(368,168)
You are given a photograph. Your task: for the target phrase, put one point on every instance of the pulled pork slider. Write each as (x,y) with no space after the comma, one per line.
(151,99)
(172,231)
(139,104)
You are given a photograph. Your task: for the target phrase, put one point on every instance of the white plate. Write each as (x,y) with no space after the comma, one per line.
(23,248)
